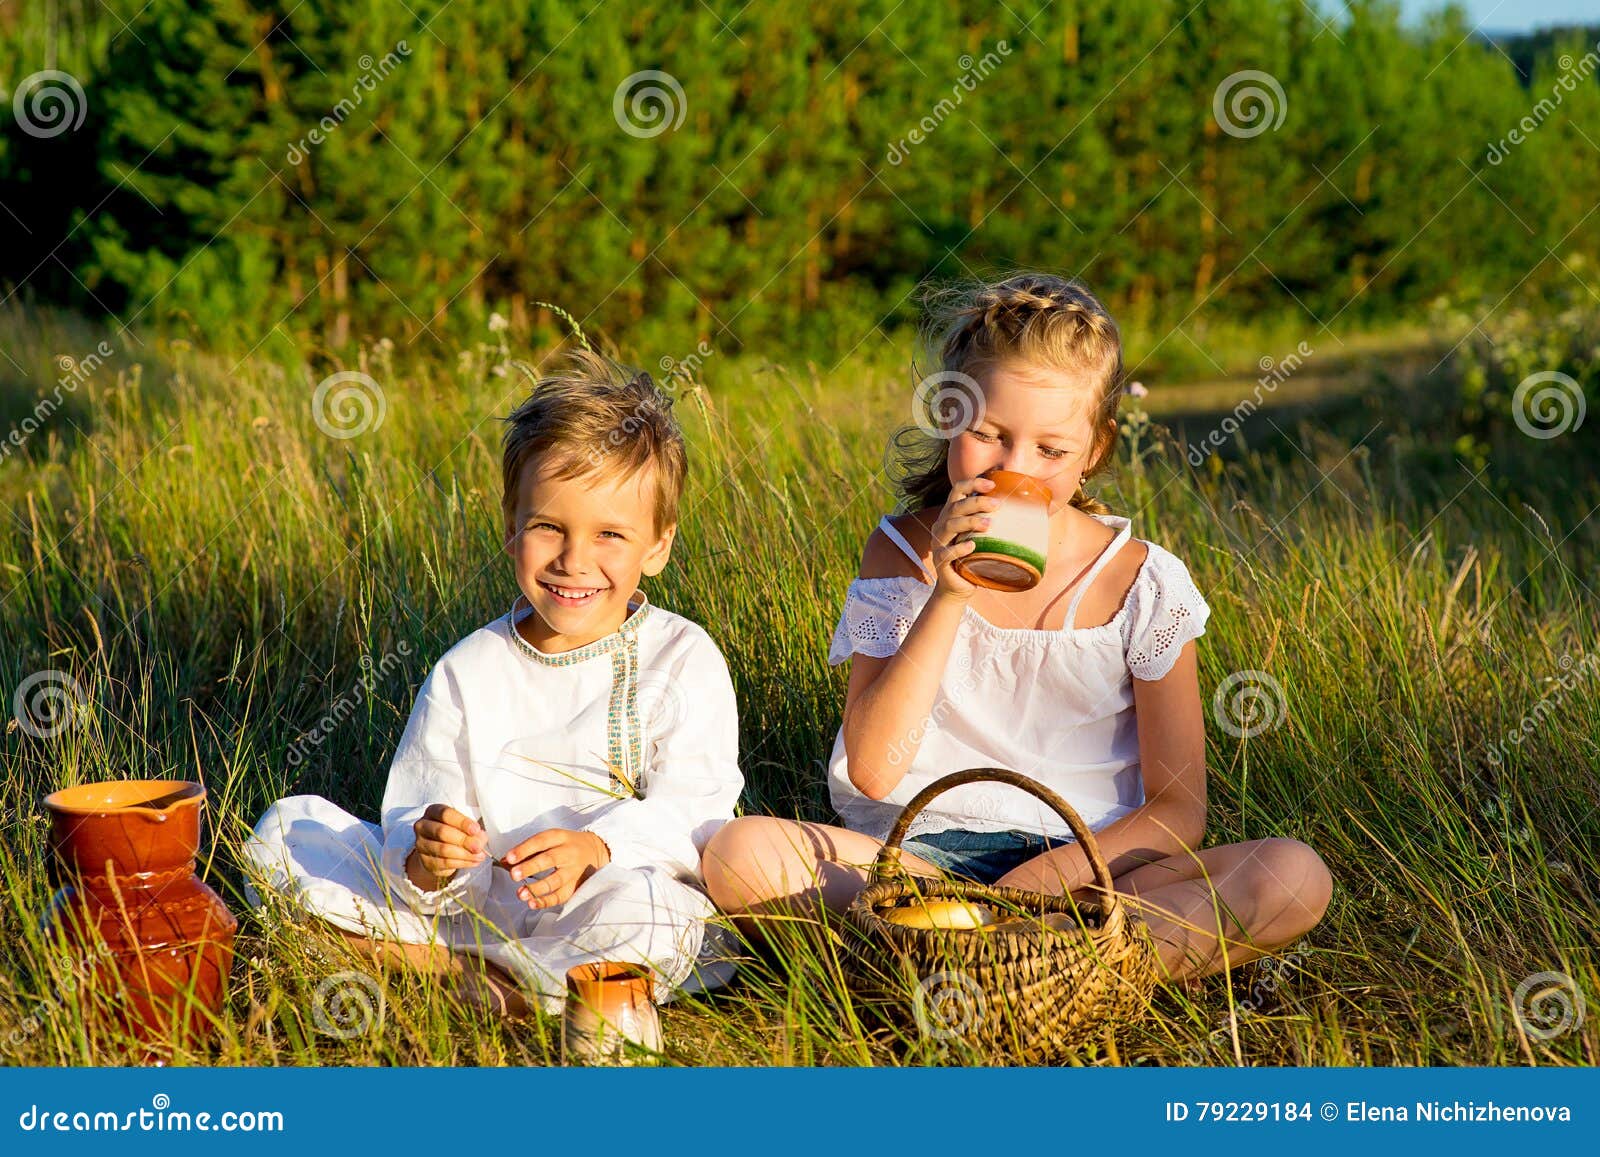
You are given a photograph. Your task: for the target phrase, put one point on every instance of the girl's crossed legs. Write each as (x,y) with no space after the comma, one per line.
(1214,909)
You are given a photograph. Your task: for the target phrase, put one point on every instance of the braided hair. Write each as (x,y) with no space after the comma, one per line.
(1036,318)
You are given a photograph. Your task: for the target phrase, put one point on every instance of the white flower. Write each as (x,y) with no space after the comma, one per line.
(497,323)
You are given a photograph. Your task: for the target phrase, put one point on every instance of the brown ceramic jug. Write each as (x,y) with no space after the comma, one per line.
(124,853)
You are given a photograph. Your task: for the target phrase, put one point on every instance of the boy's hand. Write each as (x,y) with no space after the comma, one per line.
(446,842)
(967,510)
(574,856)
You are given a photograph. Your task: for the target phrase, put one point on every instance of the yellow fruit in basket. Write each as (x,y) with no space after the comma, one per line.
(941,914)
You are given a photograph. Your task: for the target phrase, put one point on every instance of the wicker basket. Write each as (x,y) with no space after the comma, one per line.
(1030,990)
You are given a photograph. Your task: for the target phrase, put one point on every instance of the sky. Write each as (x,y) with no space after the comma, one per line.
(1514,15)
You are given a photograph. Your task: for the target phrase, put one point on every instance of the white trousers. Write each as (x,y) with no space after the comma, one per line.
(328,862)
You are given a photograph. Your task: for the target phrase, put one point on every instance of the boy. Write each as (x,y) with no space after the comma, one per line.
(564,765)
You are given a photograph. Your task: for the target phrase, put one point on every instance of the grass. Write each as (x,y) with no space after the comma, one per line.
(218,575)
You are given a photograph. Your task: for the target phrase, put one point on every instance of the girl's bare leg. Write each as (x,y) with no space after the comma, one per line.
(762,867)
(1227,905)
(1215,909)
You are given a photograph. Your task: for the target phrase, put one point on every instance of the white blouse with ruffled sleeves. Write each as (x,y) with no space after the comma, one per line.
(1056,705)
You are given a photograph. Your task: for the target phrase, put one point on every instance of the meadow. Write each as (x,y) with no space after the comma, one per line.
(220,583)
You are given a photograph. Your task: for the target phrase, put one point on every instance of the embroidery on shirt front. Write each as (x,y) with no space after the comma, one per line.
(622,714)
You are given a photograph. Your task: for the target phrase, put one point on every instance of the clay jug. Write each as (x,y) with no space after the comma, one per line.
(124,852)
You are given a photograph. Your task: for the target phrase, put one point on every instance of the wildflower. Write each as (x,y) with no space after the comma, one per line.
(1136,390)
(498,324)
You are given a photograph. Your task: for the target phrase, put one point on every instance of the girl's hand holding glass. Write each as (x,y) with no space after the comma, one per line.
(967,510)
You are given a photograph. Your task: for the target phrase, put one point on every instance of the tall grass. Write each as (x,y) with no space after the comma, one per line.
(217,573)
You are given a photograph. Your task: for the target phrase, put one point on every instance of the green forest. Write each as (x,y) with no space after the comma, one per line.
(318,172)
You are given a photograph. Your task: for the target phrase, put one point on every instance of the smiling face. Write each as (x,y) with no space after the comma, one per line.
(580,546)
(1035,421)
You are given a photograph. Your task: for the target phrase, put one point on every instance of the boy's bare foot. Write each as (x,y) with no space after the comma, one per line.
(489,988)
(471,979)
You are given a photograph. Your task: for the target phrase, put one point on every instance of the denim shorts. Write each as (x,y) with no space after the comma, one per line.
(980,856)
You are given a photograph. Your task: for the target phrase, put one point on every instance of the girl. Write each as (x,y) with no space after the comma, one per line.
(1087,682)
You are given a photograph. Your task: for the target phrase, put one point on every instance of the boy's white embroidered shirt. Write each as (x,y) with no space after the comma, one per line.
(1055,705)
(526,742)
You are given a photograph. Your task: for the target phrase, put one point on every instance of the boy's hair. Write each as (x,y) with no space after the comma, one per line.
(597,416)
(1035,318)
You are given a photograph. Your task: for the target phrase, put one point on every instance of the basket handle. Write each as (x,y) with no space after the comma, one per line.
(889,856)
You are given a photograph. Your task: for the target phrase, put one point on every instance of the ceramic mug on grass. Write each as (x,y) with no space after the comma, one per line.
(609,1017)
(1010,554)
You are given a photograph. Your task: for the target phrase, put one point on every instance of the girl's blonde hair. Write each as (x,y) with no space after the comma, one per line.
(1034,318)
